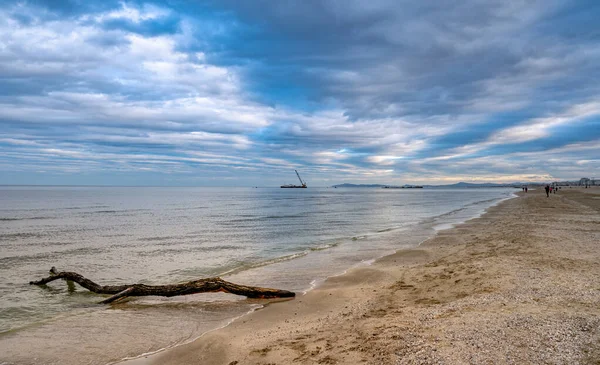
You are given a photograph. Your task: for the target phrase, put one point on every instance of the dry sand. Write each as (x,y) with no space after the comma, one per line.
(519,285)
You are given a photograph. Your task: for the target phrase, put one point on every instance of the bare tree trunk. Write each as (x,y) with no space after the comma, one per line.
(209,285)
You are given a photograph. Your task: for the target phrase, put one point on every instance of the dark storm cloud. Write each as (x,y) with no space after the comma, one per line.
(397,58)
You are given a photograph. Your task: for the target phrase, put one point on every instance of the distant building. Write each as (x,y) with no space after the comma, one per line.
(584,181)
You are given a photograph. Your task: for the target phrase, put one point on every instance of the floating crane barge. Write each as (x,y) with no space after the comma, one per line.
(292,186)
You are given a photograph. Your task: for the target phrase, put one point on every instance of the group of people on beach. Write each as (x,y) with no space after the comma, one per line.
(550,189)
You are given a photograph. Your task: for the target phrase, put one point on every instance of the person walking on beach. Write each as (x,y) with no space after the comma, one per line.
(547,191)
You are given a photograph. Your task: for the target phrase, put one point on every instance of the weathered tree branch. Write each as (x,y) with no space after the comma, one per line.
(117,296)
(209,285)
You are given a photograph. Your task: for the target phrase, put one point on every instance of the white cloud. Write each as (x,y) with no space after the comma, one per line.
(384,160)
(540,127)
(133,13)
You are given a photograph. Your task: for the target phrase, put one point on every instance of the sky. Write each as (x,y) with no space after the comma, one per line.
(241,93)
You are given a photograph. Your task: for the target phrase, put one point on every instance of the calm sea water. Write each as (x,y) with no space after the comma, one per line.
(285,238)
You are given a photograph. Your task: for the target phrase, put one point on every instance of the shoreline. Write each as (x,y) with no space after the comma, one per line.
(317,283)
(451,299)
(164,324)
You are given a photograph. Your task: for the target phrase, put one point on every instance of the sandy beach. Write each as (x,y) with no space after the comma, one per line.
(519,285)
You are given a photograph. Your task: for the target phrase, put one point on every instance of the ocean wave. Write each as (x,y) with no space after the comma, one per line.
(23,219)
(87,207)
(249,266)
(463,208)
(159,238)
(168,239)
(338,222)
(47,256)
(113,211)
(189,208)
(265,218)
(177,250)
(285,216)
(12,236)
(276,260)
(325,247)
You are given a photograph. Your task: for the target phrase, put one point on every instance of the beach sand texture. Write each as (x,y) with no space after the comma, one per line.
(519,285)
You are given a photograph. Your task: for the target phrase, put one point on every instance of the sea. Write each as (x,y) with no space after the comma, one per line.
(291,239)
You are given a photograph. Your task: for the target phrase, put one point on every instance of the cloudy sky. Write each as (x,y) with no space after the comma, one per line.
(226,92)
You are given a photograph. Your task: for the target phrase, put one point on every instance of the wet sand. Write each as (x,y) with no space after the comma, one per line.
(519,285)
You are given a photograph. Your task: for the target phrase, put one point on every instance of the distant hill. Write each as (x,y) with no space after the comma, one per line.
(358,186)
(457,185)
(474,185)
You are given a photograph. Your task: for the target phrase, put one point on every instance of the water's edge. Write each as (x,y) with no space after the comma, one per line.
(315,283)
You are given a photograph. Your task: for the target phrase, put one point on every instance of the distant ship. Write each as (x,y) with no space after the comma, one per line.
(292,186)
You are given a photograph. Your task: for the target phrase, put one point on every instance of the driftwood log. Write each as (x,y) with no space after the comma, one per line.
(209,285)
